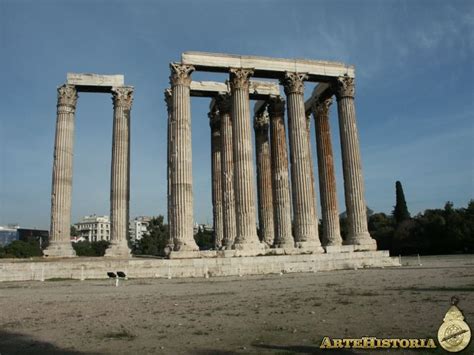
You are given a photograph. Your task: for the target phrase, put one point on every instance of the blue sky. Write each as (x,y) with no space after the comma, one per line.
(414,95)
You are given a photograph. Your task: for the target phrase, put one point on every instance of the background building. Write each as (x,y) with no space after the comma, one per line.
(8,234)
(138,227)
(93,228)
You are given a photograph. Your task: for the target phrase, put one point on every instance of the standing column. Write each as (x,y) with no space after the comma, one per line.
(280,181)
(120,173)
(327,179)
(305,224)
(352,169)
(228,202)
(169,106)
(264,178)
(61,192)
(311,165)
(216,179)
(247,238)
(181,227)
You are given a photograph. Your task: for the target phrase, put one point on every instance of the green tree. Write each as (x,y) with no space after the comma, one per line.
(155,240)
(21,249)
(400,211)
(86,248)
(74,231)
(382,228)
(204,239)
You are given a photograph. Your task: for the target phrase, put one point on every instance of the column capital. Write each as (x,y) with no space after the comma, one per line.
(180,74)
(276,106)
(261,122)
(168,98)
(321,107)
(122,96)
(224,103)
(293,82)
(240,78)
(214,119)
(67,95)
(344,86)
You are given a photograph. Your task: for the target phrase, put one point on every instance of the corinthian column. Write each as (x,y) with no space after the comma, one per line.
(61,192)
(311,165)
(181,227)
(216,179)
(352,168)
(280,177)
(327,179)
(228,202)
(247,238)
(120,173)
(170,143)
(264,178)
(305,224)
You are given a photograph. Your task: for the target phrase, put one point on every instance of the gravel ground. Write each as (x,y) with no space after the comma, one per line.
(284,314)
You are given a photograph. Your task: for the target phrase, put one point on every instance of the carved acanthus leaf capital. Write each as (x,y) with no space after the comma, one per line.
(224,103)
(122,96)
(214,119)
(344,86)
(276,106)
(294,83)
(321,108)
(240,78)
(180,74)
(261,122)
(67,95)
(169,99)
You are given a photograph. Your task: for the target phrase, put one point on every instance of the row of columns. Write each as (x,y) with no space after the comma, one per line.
(61,192)
(234,200)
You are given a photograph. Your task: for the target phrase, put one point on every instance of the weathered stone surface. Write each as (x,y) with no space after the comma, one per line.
(281,182)
(358,234)
(257,89)
(89,79)
(327,178)
(120,173)
(243,163)
(61,194)
(320,92)
(267,67)
(305,225)
(181,227)
(264,178)
(169,107)
(224,103)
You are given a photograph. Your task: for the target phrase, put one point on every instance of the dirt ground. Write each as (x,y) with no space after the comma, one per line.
(283,314)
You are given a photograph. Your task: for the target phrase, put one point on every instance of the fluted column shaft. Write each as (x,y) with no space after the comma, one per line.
(61,192)
(216,178)
(280,175)
(246,238)
(352,168)
(311,164)
(264,178)
(305,224)
(327,178)
(170,143)
(227,159)
(120,173)
(181,227)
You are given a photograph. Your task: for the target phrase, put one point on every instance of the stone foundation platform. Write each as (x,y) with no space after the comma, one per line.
(97,268)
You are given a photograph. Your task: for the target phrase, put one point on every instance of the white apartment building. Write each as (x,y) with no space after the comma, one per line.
(94,228)
(138,227)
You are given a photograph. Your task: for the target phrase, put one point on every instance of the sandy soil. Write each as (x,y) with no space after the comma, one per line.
(282,314)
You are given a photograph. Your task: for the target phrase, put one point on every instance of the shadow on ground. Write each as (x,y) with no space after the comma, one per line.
(16,343)
(300,349)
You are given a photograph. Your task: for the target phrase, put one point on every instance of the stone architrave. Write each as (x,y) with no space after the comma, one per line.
(264,178)
(280,174)
(246,239)
(181,227)
(358,234)
(305,224)
(224,105)
(327,179)
(216,177)
(169,106)
(120,173)
(61,194)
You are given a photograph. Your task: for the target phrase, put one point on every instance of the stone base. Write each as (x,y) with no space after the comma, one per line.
(284,251)
(339,249)
(249,249)
(59,250)
(361,242)
(194,254)
(118,251)
(309,247)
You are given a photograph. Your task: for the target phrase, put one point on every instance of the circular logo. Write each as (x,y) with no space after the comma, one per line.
(454,335)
